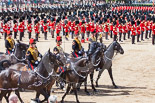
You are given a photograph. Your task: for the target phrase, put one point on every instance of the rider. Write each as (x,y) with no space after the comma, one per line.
(58,49)
(9,44)
(33,54)
(77,47)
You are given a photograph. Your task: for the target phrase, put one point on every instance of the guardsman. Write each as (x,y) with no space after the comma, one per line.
(115,31)
(150,24)
(36,29)
(66,29)
(153,32)
(100,29)
(77,47)
(83,31)
(87,29)
(29,28)
(120,30)
(21,29)
(124,29)
(52,26)
(106,29)
(15,29)
(9,44)
(58,27)
(129,28)
(142,25)
(133,33)
(32,55)
(45,28)
(111,28)
(5,26)
(147,28)
(138,31)
(76,28)
(72,27)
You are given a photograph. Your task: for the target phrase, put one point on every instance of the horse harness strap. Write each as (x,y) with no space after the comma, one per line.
(21,60)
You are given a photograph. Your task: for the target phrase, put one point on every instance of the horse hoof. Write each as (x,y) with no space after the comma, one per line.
(97,85)
(87,93)
(62,101)
(115,87)
(95,90)
(77,101)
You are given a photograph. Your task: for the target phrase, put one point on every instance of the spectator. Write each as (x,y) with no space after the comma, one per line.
(52,99)
(13,98)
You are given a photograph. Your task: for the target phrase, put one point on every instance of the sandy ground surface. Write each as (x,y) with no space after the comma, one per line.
(133,72)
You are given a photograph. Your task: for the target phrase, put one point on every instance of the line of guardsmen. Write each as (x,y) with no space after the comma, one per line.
(95,23)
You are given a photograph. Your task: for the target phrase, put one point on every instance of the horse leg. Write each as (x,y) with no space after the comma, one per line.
(78,87)
(44,93)
(67,91)
(75,92)
(2,94)
(92,80)
(85,84)
(7,96)
(98,77)
(111,76)
(18,95)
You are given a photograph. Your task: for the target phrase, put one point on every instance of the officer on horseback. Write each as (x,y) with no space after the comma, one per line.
(33,54)
(9,44)
(58,49)
(77,47)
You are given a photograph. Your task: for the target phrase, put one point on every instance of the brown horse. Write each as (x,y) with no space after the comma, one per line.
(11,79)
(18,55)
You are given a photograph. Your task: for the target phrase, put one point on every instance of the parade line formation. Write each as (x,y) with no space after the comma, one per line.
(82,23)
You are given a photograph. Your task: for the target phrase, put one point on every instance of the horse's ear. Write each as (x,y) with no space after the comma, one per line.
(18,41)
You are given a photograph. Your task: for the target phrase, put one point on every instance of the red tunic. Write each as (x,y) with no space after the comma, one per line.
(133,30)
(129,26)
(66,27)
(58,29)
(142,26)
(138,30)
(76,30)
(36,28)
(29,27)
(97,28)
(21,27)
(87,27)
(124,29)
(106,28)
(15,27)
(52,25)
(72,26)
(5,28)
(147,27)
(111,27)
(83,28)
(114,30)
(153,29)
(120,28)
(45,27)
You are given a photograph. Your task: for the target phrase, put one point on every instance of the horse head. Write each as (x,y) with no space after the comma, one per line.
(20,50)
(118,47)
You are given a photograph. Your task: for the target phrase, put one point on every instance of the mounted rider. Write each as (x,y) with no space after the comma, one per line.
(78,50)
(9,44)
(33,54)
(58,49)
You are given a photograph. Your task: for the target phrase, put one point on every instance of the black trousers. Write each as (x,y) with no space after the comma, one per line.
(146,34)
(138,35)
(115,37)
(87,34)
(72,34)
(82,34)
(5,35)
(111,33)
(96,36)
(52,33)
(133,39)
(42,30)
(106,35)
(150,33)
(29,35)
(142,33)
(128,34)
(15,35)
(37,34)
(45,35)
(120,36)
(21,35)
(124,36)
(153,39)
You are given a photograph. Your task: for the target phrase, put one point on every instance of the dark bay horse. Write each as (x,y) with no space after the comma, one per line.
(108,57)
(11,79)
(18,55)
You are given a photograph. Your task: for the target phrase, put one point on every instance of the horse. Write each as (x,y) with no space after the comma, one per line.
(11,79)
(18,55)
(108,55)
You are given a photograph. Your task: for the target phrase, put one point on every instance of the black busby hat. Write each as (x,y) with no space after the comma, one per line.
(14,21)
(132,22)
(138,22)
